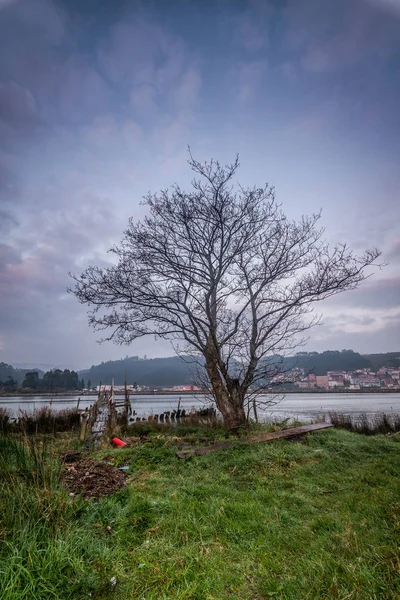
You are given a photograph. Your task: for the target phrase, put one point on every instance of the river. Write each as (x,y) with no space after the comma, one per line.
(302,406)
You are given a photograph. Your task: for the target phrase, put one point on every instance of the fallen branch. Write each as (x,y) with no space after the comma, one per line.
(265,437)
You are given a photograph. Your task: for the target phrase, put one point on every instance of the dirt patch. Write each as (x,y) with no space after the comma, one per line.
(132,440)
(91,478)
(168,439)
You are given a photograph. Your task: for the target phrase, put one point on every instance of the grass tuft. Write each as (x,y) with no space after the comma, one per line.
(44,420)
(45,548)
(365,423)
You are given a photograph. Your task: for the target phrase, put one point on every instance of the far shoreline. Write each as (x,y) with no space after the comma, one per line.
(178,393)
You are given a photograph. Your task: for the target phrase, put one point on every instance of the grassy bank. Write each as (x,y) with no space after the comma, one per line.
(43,420)
(366,424)
(318,518)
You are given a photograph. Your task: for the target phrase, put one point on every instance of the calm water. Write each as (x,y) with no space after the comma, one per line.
(301,406)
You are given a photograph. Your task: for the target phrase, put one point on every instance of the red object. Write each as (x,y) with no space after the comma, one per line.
(118,442)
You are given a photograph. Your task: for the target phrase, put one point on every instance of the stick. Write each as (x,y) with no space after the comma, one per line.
(265,437)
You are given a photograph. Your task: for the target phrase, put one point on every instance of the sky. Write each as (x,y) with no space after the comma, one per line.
(99,100)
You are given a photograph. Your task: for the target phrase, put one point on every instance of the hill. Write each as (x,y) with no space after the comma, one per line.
(330,360)
(389,359)
(17,374)
(154,372)
(173,370)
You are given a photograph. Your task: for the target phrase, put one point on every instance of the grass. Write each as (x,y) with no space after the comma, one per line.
(46,549)
(314,519)
(43,420)
(366,424)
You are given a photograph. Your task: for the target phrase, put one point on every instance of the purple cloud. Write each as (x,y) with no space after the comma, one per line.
(96,108)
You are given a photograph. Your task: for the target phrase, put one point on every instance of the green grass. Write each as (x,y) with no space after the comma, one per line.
(46,549)
(316,519)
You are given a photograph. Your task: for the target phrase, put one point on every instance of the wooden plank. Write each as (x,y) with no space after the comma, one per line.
(285,434)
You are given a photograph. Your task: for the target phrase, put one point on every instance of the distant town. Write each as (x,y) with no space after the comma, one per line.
(384,378)
(360,379)
(144,389)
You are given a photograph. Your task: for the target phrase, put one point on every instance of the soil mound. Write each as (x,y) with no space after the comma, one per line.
(91,478)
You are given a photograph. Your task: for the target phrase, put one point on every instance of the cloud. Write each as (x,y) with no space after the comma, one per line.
(145,99)
(394,252)
(246,79)
(373,298)
(289,72)
(367,318)
(186,94)
(37,318)
(97,107)
(392,6)
(5,3)
(19,118)
(337,36)
(8,178)
(138,52)
(382,293)
(150,64)
(7,220)
(60,81)
(360,320)
(33,270)
(45,17)
(248,26)
(252,33)
(384,339)
(8,255)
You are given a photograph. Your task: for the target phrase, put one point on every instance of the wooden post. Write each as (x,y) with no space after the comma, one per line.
(255,410)
(84,420)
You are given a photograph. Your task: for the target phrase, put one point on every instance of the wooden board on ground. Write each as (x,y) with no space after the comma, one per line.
(264,437)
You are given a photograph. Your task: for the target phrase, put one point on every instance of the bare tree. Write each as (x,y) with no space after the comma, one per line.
(224,271)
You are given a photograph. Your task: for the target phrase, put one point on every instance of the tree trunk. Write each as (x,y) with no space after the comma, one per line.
(230,402)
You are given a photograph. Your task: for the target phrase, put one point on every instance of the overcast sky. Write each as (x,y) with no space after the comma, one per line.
(99,99)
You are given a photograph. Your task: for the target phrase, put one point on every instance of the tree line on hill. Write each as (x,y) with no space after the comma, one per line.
(11,377)
(55,379)
(35,380)
(153,372)
(170,371)
(164,372)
